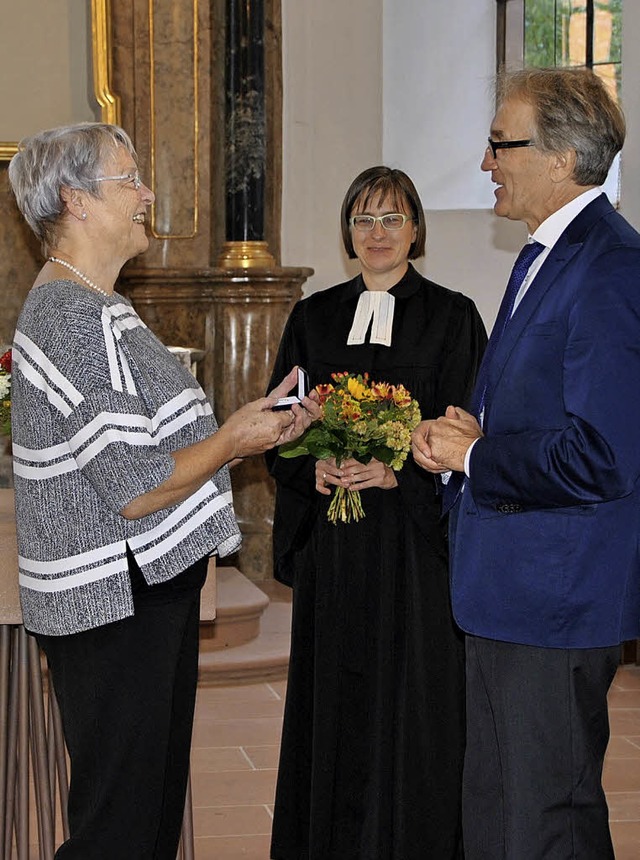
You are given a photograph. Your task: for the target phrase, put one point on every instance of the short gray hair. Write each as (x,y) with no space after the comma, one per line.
(573,109)
(69,156)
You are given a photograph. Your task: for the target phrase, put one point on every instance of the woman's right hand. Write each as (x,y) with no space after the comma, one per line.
(327,474)
(255,427)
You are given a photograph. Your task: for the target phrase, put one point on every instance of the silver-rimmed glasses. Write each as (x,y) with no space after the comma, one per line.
(133,178)
(391,221)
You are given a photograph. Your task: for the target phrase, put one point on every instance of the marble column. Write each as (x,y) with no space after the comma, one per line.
(169,72)
(245,137)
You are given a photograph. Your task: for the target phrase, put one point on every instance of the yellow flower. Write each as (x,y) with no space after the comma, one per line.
(357,390)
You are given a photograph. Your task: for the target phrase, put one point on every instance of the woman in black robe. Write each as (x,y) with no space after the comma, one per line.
(373,734)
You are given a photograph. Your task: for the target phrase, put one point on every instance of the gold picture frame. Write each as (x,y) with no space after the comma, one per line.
(101,57)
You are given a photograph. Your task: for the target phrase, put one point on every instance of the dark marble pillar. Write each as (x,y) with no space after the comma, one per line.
(245,121)
(245,137)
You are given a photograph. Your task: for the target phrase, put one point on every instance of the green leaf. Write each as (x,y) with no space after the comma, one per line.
(317,441)
(293,449)
(322,451)
(382,453)
(362,456)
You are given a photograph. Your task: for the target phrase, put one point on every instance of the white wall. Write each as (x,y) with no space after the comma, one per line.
(408,83)
(439,68)
(439,64)
(332,124)
(363,85)
(472,251)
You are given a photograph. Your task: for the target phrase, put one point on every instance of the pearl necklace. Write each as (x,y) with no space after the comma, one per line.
(78,274)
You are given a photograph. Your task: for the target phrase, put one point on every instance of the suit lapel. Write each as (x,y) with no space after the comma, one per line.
(565,249)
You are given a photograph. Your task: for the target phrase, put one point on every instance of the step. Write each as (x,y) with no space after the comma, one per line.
(239,606)
(264,658)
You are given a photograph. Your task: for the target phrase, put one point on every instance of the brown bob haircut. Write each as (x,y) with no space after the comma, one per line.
(384,183)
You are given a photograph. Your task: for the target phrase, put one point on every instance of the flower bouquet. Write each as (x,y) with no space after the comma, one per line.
(5,393)
(360,419)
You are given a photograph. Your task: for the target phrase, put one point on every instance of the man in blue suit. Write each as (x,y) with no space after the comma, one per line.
(545,529)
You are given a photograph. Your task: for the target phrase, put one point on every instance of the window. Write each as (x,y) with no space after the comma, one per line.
(561,33)
(575,33)
(564,33)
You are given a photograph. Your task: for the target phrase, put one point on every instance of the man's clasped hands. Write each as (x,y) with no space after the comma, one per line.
(440,444)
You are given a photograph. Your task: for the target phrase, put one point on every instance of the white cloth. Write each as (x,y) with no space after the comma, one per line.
(550,231)
(377,305)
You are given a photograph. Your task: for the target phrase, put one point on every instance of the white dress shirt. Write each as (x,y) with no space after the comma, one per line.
(547,234)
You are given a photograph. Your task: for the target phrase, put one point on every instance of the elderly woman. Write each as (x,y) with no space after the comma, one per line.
(122,493)
(373,733)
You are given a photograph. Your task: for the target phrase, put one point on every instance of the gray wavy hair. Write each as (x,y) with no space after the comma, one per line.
(573,109)
(68,156)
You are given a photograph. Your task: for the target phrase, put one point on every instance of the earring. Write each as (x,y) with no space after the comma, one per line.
(84,216)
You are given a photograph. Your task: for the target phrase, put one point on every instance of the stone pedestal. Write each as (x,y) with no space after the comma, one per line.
(236,317)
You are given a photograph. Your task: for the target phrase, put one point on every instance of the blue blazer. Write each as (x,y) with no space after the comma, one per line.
(545,536)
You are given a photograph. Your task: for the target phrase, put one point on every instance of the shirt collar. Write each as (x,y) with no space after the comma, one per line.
(554,226)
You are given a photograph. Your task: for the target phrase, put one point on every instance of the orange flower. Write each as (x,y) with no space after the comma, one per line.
(401,396)
(382,390)
(324,389)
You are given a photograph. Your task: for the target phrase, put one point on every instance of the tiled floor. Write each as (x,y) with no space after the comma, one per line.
(235,754)
(622,765)
(233,769)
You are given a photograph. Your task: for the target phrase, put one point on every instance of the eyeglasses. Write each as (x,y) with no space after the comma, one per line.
(392,221)
(495,145)
(133,178)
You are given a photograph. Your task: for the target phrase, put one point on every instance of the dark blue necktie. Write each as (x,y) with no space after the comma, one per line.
(519,272)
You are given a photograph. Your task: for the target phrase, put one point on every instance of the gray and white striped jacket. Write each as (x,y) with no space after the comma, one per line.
(98,404)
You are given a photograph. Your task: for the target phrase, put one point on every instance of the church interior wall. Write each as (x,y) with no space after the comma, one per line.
(365,82)
(426,108)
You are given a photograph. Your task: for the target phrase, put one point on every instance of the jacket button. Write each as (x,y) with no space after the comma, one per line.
(509,508)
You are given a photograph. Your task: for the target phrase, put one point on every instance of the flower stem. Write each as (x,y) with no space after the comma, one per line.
(346,505)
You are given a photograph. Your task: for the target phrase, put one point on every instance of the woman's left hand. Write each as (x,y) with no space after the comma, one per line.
(361,476)
(303,415)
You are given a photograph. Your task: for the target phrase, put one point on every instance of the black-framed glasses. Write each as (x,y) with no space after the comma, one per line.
(391,221)
(495,145)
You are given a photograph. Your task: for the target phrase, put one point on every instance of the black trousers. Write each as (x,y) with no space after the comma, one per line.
(537,732)
(127,696)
